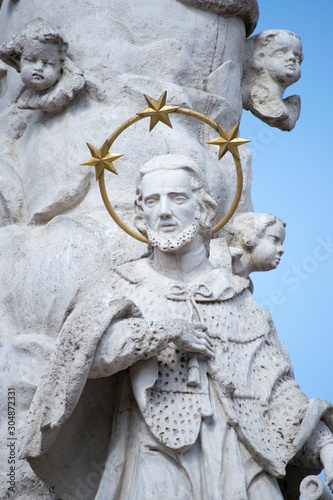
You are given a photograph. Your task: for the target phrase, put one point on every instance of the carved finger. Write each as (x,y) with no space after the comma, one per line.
(200,326)
(204,347)
(208,340)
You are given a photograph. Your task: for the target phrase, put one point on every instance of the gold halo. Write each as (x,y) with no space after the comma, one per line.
(181,111)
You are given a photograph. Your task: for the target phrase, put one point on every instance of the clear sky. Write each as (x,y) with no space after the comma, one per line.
(293,179)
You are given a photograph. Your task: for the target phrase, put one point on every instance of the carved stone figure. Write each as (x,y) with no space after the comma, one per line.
(132,363)
(272,63)
(194,54)
(258,238)
(165,336)
(38,52)
(255,244)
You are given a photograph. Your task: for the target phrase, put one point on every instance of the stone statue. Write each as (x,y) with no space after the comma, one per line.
(256,242)
(38,53)
(271,64)
(152,51)
(130,364)
(166,335)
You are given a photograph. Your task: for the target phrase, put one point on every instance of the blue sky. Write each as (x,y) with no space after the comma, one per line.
(293,179)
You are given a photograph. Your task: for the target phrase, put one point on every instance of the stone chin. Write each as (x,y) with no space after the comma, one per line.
(174,242)
(246,9)
(275,263)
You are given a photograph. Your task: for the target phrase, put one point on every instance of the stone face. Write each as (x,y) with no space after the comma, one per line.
(38,53)
(272,63)
(258,239)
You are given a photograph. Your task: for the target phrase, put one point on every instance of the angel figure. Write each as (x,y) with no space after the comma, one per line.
(38,53)
(272,63)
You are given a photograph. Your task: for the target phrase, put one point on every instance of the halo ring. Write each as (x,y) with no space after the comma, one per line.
(181,111)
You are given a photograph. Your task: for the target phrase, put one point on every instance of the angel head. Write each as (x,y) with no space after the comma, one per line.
(37,52)
(260,237)
(277,54)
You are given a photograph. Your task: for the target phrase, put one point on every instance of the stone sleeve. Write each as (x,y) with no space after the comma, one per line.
(125,342)
(309,455)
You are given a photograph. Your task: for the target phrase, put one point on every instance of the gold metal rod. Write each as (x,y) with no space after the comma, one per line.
(236,199)
(199,116)
(123,127)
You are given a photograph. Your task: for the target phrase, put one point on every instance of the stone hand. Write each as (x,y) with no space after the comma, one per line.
(194,338)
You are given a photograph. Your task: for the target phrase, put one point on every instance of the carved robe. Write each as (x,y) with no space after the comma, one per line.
(240,418)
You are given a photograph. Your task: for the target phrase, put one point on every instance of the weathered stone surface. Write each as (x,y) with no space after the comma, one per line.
(172,331)
(195,55)
(126,366)
(312,488)
(38,53)
(272,63)
(246,9)
(259,237)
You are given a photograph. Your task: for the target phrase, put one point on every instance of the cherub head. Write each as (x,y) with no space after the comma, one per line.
(172,203)
(260,237)
(37,52)
(272,63)
(277,54)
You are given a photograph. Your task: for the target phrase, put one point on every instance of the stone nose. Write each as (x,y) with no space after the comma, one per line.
(165,208)
(291,56)
(38,65)
(280,250)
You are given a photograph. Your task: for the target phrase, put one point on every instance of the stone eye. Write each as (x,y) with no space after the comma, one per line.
(150,202)
(179,199)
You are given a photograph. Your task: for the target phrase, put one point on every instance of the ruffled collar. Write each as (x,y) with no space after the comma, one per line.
(216,284)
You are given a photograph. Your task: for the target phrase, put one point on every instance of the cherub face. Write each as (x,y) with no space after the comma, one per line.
(40,65)
(283,57)
(268,252)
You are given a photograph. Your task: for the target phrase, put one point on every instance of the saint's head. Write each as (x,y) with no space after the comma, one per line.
(173,206)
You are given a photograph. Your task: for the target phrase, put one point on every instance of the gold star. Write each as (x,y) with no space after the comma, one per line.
(101,159)
(158,111)
(228,141)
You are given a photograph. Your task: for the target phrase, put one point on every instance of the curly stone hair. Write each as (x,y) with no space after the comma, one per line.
(38,30)
(248,227)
